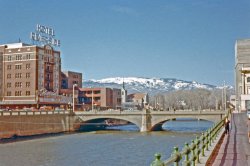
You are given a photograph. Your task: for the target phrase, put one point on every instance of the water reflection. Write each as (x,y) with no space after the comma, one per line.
(187,125)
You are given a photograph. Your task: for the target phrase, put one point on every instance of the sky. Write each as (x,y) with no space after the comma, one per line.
(191,40)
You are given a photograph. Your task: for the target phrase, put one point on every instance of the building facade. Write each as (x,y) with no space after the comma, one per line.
(138,99)
(69,78)
(99,98)
(242,74)
(30,76)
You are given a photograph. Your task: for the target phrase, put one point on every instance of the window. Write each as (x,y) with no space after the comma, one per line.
(248,79)
(18,84)
(18,75)
(8,85)
(27,84)
(18,93)
(8,76)
(27,93)
(27,66)
(8,93)
(28,56)
(18,57)
(18,66)
(27,75)
(9,58)
(8,67)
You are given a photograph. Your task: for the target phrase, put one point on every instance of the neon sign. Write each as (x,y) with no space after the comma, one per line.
(45,35)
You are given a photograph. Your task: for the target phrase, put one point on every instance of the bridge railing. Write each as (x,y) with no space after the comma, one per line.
(16,113)
(190,154)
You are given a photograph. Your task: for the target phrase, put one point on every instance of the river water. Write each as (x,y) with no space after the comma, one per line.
(126,147)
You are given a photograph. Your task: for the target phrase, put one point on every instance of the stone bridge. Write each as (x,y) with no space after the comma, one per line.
(147,120)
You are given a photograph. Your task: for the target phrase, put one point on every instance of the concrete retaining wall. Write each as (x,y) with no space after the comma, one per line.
(27,125)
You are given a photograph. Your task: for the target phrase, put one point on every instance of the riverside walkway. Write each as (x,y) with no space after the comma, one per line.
(234,149)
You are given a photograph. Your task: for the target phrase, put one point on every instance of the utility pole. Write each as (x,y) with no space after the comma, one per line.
(222,97)
(92,100)
(225,93)
(74,97)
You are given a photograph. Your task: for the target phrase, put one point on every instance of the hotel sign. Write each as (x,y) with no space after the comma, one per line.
(45,35)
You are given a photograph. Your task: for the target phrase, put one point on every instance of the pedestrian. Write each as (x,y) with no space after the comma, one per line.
(226,124)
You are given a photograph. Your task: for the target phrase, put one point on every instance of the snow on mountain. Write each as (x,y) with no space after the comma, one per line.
(149,85)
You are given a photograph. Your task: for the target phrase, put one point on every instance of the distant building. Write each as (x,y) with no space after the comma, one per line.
(139,99)
(117,98)
(99,98)
(30,76)
(69,78)
(242,74)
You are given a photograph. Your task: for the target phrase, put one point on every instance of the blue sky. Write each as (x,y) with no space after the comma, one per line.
(184,39)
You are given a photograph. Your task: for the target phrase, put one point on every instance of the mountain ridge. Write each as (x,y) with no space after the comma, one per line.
(148,85)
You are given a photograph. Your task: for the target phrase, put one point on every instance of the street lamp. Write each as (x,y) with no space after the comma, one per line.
(74,97)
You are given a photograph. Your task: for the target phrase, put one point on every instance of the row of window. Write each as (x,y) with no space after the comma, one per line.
(18,57)
(18,67)
(75,76)
(18,93)
(18,75)
(18,84)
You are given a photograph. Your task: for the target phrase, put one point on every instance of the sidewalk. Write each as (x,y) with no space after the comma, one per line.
(235,148)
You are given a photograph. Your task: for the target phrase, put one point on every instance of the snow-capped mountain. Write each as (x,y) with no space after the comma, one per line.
(149,85)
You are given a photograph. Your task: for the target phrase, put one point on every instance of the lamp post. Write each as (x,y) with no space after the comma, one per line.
(74,97)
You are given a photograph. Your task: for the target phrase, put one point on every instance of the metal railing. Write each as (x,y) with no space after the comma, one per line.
(191,153)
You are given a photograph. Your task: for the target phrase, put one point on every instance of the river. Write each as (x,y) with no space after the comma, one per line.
(126,147)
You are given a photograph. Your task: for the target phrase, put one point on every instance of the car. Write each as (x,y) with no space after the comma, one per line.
(248,114)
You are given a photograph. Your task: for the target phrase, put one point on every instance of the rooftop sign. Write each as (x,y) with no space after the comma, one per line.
(45,35)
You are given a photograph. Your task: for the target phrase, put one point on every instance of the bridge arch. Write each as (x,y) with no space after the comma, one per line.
(134,120)
(156,123)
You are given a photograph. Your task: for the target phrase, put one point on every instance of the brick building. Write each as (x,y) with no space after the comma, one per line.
(30,76)
(69,78)
(99,98)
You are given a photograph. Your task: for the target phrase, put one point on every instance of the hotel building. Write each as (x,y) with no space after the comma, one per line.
(30,76)
(242,74)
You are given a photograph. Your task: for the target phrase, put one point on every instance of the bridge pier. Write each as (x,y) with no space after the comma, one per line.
(146,121)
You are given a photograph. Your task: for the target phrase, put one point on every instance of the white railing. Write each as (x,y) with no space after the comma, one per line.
(18,113)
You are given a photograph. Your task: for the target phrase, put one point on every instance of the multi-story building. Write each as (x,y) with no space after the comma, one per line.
(30,76)
(242,74)
(69,78)
(102,98)
(117,98)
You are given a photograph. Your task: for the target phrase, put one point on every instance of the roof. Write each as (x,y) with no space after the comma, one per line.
(16,45)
